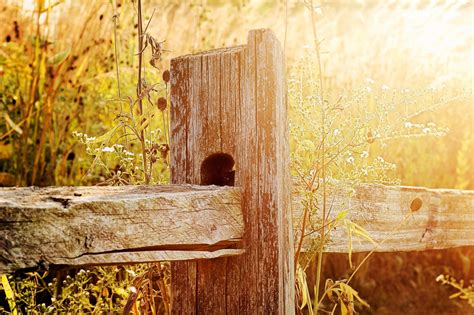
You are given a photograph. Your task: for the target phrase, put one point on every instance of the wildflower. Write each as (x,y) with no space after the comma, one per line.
(108,149)
(132,289)
(370,81)
(369,89)
(131,272)
(426,130)
(364,154)
(385,87)
(380,159)
(350,160)
(431,124)
(365,172)
(408,125)
(337,132)
(81,271)
(53,299)
(88,139)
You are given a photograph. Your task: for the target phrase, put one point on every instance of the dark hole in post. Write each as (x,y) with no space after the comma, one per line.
(218,169)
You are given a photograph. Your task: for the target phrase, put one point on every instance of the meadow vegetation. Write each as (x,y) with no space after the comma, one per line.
(385,96)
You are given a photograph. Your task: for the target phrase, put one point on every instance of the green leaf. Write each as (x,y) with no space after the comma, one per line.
(59,57)
(455,295)
(106,136)
(9,294)
(343,308)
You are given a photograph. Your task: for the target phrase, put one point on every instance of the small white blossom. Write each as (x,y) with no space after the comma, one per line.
(431,124)
(108,149)
(364,154)
(350,160)
(365,171)
(426,130)
(337,132)
(408,125)
(132,289)
(369,89)
(370,81)
(380,159)
(385,87)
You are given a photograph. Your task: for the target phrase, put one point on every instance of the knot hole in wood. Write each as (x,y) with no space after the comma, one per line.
(218,169)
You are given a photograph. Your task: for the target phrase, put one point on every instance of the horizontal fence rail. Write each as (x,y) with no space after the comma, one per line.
(130,224)
(397,218)
(113,225)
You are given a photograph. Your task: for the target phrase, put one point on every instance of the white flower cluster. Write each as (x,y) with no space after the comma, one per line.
(83,136)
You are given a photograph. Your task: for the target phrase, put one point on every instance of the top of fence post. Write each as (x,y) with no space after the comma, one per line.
(229,106)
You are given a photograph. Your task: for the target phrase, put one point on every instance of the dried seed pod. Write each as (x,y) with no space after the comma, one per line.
(166,76)
(370,137)
(161,103)
(164,149)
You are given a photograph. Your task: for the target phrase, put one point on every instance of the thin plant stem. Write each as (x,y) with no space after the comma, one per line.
(323,149)
(139,88)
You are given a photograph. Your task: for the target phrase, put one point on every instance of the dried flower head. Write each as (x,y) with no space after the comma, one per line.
(161,103)
(166,76)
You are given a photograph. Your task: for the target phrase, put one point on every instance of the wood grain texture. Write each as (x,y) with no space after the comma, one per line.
(444,220)
(107,225)
(235,104)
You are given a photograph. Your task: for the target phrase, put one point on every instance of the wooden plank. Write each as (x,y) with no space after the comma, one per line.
(242,99)
(125,224)
(445,218)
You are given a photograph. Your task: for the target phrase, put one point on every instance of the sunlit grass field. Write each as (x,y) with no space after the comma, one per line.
(399,72)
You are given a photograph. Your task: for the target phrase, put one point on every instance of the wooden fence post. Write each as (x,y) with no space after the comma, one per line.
(232,102)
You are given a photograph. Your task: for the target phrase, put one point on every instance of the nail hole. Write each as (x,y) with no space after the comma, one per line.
(416,204)
(218,169)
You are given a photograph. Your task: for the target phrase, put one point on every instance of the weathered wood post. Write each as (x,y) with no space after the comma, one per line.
(232,102)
